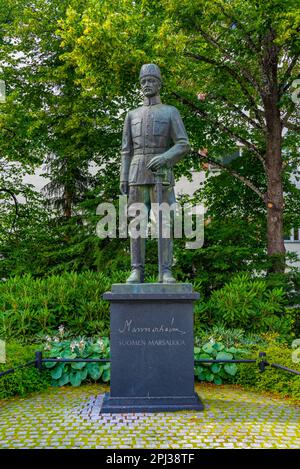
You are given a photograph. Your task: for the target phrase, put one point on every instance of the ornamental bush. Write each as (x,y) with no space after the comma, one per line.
(274,380)
(77,372)
(31,306)
(248,304)
(25,380)
(217,373)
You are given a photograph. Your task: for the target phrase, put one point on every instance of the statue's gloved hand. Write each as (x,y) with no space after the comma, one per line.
(124,189)
(156,163)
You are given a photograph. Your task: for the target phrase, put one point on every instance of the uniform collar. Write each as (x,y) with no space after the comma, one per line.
(151,101)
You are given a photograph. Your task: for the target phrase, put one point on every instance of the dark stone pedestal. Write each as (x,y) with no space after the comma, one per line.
(152,348)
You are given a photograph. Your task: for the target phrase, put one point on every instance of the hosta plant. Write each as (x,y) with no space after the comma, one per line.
(217,373)
(77,372)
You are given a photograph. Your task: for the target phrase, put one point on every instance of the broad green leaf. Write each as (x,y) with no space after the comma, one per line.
(224,356)
(209,376)
(57,372)
(205,356)
(50,364)
(106,376)
(218,380)
(64,379)
(78,365)
(96,348)
(75,378)
(94,370)
(84,373)
(231,368)
(216,368)
(208,348)
(106,366)
(68,354)
(201,376)
(217,346)
(232,350)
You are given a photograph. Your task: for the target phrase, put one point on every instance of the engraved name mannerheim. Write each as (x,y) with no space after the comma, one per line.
(156,332)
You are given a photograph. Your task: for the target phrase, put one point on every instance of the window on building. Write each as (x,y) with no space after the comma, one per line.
(293,236)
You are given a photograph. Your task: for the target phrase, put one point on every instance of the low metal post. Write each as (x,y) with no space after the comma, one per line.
(39,360)
(263,363)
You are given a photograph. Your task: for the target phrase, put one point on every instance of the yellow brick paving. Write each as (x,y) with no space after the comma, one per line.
(69,418)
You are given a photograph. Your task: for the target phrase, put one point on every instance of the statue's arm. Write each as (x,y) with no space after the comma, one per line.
(178,150)
(180,139)
(126,155)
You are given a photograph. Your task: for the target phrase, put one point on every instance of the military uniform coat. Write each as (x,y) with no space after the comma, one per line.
(152,129)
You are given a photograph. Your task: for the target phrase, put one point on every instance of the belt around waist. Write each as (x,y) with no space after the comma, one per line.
(158,152)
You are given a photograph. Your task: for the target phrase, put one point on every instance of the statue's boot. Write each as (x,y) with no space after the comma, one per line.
(168,277)
(167,247)
(136,276)
(137,249)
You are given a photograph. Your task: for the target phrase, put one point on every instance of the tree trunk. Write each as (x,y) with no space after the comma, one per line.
(273,157)
(275,200)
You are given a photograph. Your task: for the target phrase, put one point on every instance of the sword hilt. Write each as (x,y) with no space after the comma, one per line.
(158,175)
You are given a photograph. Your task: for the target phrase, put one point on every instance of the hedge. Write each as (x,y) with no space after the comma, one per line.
(273,380)
(31,306)
(24,380)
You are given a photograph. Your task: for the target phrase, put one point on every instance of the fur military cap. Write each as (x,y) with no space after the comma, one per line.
(150,69)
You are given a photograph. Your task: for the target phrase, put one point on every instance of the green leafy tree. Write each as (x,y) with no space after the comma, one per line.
(49,119)
(231,64)
(71,71)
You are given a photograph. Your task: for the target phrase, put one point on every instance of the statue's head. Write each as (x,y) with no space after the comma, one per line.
(150,80)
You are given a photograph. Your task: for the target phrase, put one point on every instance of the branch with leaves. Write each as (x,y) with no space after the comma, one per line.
(254,47)
(12,195)
(221,126)
(251,103)
(237,110)
(228,56)
(235,174)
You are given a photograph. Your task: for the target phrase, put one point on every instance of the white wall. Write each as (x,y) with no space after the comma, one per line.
(293,247)
(184,186)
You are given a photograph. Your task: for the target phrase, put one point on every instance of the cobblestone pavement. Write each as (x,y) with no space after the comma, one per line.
(69,418)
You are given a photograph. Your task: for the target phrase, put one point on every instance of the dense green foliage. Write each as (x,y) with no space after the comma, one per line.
(70,69)
(32,307)
(248,374)
(217,373)
(48,120)
(77,372)
(29,307)
(76,66)
(234,84)
(246,303)
(273,380)
(251,305)
(24,380)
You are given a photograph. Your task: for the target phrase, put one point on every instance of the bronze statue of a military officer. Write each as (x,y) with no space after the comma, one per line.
(154,139)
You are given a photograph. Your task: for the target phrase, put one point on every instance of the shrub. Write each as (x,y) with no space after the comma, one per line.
(77,372)
(272,379)
(247,304)
(32,306)
(24,380)
(217,372)
(293,313)
(229,337)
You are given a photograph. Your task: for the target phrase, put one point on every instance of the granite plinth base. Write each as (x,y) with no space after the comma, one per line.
(152,348)
(117,405)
